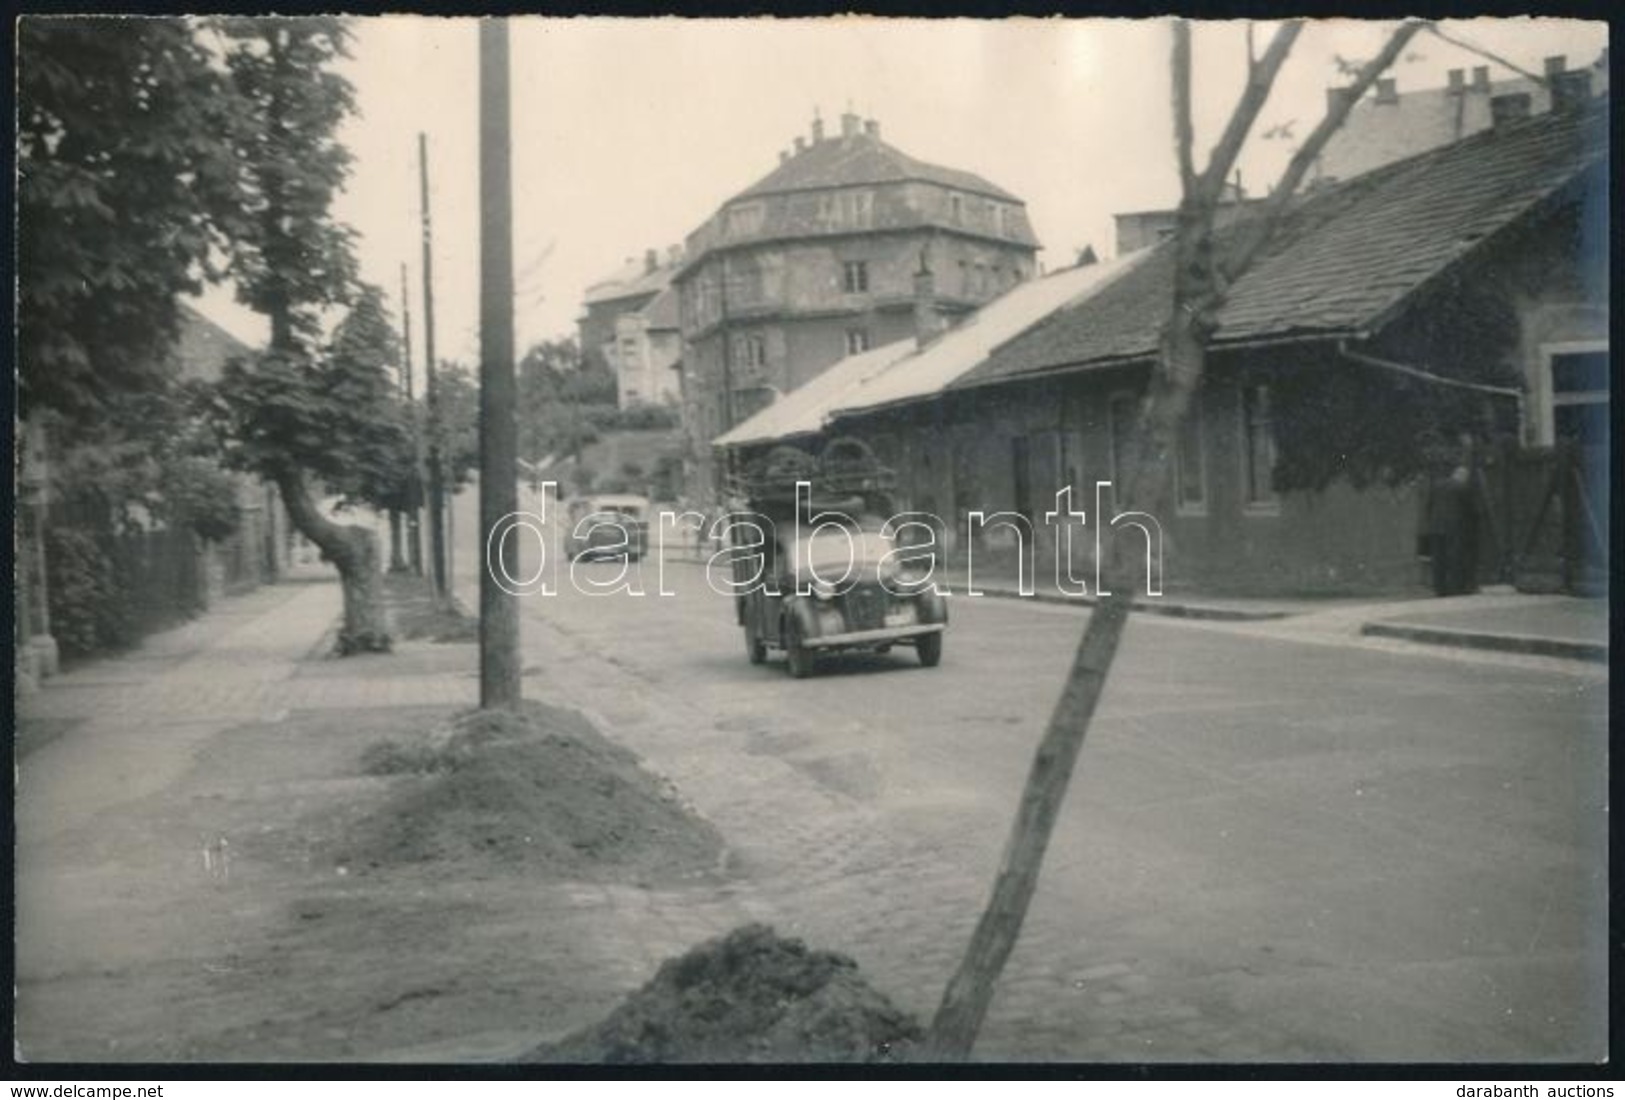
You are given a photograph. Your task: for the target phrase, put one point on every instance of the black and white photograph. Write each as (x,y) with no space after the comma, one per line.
(555,545)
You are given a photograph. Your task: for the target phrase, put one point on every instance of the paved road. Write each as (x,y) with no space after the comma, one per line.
(1284,842)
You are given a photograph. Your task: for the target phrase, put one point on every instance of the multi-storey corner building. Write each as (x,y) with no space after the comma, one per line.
(630,319)
(848,244)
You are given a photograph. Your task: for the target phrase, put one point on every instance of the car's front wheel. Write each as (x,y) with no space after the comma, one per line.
(755,648)
(930,649)
(802,661)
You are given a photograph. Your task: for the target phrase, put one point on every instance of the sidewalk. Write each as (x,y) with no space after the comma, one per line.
(221,662)
(131,945)
(1550,626)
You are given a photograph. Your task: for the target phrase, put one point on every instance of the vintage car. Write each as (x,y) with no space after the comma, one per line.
(828,589)
(607,526)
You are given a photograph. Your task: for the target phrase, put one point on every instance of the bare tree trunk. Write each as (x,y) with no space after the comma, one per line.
(1198,293)
(353,551)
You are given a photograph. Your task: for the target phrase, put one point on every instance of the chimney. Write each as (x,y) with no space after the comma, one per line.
(1458,81)
(651,261)
(1570,90)
(928,323)
(817,129)
(1508,108)
(1387,90)
(784,156)
(872,128)
(850,125)
(1335,96)
(1481,78)
(801,145)
(1556,65)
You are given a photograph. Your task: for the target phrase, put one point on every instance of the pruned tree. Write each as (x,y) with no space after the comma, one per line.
(1205,266)
(333,417)
(304,410)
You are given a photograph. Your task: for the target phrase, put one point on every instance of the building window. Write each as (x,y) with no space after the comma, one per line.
(750,400)
(857,339)
(1190,467)
(956,208)
(750,350)
(1257,449)
(1579,395)
(855,209)
(856,277)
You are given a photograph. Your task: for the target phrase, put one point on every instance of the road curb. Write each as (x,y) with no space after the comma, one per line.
(1168,609)
(1478,639)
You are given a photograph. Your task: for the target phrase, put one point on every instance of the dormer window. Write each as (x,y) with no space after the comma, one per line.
(745,220)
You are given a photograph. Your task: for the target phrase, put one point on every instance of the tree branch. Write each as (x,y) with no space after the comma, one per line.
(1183,136)
(1260,79)
(1256,230)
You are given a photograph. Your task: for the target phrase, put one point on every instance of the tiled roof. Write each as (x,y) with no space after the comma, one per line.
(633,280)
(1343,258)
(662,312)
(202,347)
(962,348)
(863,159)
(1379,132)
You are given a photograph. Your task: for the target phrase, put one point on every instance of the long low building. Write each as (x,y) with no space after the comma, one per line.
(1462,290)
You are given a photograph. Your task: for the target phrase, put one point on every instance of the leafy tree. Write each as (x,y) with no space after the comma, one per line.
(560,396)
(126,173)
(458,433)
(301,410)
(361,361)
(148,457)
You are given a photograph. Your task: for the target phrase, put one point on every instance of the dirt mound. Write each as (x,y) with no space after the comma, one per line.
(542,787)
(750,996)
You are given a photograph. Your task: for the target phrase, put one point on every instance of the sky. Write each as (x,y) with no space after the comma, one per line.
(629,133)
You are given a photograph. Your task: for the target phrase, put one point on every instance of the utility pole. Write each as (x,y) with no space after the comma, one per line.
(500,681)
(437,534)
(403,522)
(414,526)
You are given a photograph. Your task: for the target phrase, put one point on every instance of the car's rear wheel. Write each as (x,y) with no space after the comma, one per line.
(930,649)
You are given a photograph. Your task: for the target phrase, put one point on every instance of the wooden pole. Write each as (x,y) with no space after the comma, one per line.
(437,534)
(500,682)
(414,515)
